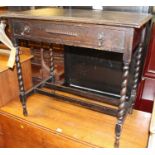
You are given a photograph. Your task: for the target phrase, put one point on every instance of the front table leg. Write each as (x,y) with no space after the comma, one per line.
(122,106)
(21,83)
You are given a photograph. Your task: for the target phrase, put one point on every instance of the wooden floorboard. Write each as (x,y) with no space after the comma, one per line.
(70,125)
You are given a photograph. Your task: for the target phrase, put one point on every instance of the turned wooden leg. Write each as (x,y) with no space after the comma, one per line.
(52,66)
(122,106)
(21,83)
(136,76)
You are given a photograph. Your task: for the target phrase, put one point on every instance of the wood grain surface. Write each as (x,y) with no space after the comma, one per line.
(55,123)
(126,19)
(8,78)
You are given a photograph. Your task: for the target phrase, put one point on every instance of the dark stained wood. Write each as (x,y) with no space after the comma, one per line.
(108,38)
(105,31)
(55,123)
(3,9)
(124,19)
(83,35)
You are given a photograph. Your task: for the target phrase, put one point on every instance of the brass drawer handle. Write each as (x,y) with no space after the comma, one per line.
(100,39)
(26,30)
(61,33)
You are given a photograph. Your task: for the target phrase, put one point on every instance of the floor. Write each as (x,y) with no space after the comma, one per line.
(68,125)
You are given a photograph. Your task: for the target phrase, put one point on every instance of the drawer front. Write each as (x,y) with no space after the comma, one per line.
(83,35)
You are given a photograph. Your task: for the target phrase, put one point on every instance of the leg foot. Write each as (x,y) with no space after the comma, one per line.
(116,145)
(118,129)
(23,101)
(25,113)
(131,110)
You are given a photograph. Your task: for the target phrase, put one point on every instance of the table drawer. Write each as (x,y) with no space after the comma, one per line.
(83,35)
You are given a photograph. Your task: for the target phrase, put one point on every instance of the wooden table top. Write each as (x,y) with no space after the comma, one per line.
(80,124)
(125,19)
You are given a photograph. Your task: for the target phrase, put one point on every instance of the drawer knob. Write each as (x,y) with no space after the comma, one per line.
(26,30)
(100,39)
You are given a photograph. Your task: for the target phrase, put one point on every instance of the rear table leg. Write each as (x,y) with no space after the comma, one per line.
(52,66)
(136,76)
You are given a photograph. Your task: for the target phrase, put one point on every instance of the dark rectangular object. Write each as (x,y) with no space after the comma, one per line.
(95,71)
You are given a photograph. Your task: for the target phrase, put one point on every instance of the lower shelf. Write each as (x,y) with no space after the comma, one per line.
(54,123)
